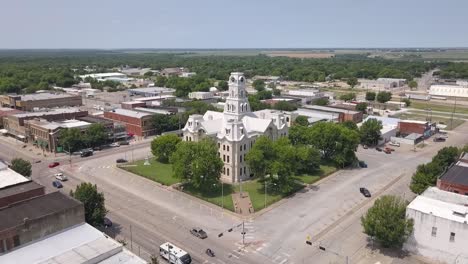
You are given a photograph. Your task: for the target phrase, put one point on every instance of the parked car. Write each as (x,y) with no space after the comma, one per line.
(60,176)
(124,143)
(24,146)
(53,164)
(439,139)
(390,149)
(86,153)
(107,222)
(362,164)
(121,160)
(365,192)
(37,161)
(115,144)
(57,184)
(378,149)
(97,148)
(395,144)
(198,232)
(387,151)
(365,147)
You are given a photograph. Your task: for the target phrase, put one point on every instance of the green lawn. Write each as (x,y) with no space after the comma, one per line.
(214,195)
(461,109)
(157,171)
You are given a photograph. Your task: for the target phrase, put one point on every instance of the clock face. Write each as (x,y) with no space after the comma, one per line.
(233,79)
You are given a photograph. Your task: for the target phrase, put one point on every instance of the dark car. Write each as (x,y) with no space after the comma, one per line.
(121,160)
(365,192)
(97,148)
(378,149)
(124,143)
(53,164)
(362,164)
(37,161)
(210,252)
(57,184)
(86,153)
(439,139)
(107,222)
(198,232)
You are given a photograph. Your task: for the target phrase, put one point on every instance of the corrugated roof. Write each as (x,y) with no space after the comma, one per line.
(456,175)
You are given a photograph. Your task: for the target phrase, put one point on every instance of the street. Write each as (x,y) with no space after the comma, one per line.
(146,214)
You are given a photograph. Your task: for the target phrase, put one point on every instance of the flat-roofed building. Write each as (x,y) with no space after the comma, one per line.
(306,92)
(151,91)
(314,116)
(449,90)
(455,178)
(30,102)
(440,229)
(407,127)
(382,84)
(136,122)
(19,192)
(343,114)
(200,95)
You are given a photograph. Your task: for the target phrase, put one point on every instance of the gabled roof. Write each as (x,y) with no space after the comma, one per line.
(253,124)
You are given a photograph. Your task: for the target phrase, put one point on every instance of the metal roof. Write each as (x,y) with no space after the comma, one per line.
(9,177)
(456,175)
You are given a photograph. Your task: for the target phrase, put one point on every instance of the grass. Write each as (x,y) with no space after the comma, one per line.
(214,195)
(439,107)
(156,171)
(441,120)
(324,171)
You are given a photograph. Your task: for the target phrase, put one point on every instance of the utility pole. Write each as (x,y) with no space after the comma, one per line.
(131,239)
(454,107)
(243,233)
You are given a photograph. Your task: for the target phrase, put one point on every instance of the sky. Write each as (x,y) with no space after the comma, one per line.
(223,24)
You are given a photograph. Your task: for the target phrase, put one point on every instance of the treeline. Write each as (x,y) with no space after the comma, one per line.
(453,70)
(28,72)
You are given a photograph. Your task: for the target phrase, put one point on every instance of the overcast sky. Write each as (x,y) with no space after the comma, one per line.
(232,23)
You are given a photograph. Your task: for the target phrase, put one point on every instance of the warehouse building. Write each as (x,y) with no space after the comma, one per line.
(30,102)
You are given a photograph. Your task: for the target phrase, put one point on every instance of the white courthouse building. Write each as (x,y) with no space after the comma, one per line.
(236,129)
(440,226)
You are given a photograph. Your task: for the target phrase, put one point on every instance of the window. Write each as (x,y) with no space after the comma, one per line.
(228,172)
(434,231)
(455,191)
(224,147)
(466,193)
(224,158)
(16,241)
(241,148)
(242,131)
(227,148)
(240,158)
(224,170)
(245,146)
(244,170)
(219,145)
(240,171)
(228,158)
(452,237)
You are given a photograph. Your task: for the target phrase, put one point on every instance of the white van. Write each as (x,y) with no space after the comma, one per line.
(174,254)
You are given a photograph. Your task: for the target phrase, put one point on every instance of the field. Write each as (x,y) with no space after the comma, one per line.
(460,109)
(156,171)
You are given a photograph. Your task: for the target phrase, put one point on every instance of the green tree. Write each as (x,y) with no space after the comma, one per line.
(96,135)
(362,107)
(370,131)
(350,124)
(148,74)
(260,156)
(93,202)
(197,163)
(161,81)
(308,159)
(223,85)
(21,166)
(163,146)
(322,101)
(370,96)
(301,121)
(285,106)
(276,92)
(383,97)
(386,222)
(413,84)
(353,81)
(164,123)
(407,102)
(71,139)
(348,97)
(259,85)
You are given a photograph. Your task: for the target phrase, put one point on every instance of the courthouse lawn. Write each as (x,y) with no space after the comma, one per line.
(214,195)
(156,171)
(324,171)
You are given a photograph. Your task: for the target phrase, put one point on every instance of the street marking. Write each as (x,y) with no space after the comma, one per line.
(284,261)
(286,254)
(232,255)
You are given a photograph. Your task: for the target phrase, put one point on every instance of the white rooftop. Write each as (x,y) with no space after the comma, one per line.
(152,89)
(79,244)
(442,204)
(10,177)
(43,96)
(103,75)
(130,113)
(155,98)
(54,111)
(386,121)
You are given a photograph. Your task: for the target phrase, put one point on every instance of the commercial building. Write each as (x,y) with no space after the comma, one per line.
(19,192)
(449,90)
(306,92)
(5,111)
(343,114)
(455,178)
(424,128)
(268,79)
(104,76)
(136,122)
(200,95)
(14,124)
(155,100)
(440,226)
(151,91)
(136,71)
(236,129)
(30,102)
(382,84)
(187,74)
(314,116)
(132,104)
(167,72)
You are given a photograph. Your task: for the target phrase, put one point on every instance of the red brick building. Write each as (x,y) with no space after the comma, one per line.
(455,179)
(20,192)
(342,114)
(136,123)
(406,127)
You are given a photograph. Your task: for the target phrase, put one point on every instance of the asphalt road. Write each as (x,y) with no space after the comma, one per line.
(146,214)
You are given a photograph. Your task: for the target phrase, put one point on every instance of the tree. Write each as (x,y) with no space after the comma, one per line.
(353,81)
(71,139)
(271,85)
(96,135)
(163,146)
(197,163)
(386,221)
(370,131)
(259,85)
(260,156)
(161,81)
(322,101)
(350,124)
(348,97)
(370,96)
(164,123)
(383,97)
(362,107)
(413,84)
(308,159)
(93,202)
(276,92)
(21,166)
(223,85)
(301,121)
(407,102)
(285,106)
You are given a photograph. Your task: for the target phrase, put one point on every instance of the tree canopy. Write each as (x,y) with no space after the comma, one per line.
(301,121)
(370,132)
(93,202)
(383,97)
(370,96)
(348,97)
(353,81)
(259,85)
(164,146)
(362,107)
(386,222)
(21,166)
